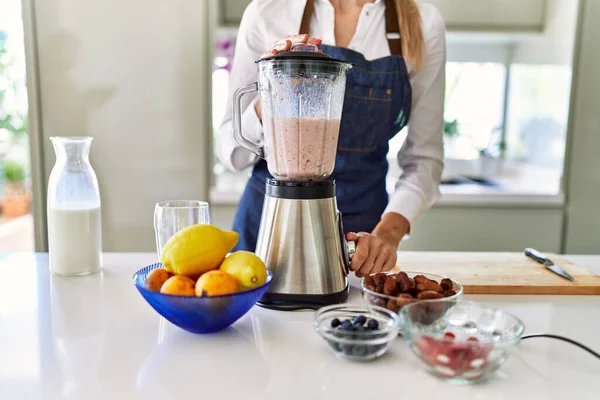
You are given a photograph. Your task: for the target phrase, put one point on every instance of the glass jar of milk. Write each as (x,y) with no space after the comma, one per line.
(73,206)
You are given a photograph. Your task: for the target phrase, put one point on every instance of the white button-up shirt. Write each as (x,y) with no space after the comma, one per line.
(421,156)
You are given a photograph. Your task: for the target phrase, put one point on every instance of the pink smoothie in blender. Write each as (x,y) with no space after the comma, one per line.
(301,149)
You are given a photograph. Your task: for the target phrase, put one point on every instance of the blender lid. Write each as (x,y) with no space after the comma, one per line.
(303,55)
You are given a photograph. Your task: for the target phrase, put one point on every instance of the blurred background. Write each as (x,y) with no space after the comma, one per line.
(148,80)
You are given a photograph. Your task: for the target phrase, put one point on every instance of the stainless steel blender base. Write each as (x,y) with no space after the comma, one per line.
(297,302)
(301,241)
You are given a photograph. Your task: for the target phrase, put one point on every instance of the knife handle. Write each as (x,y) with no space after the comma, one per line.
(536,255)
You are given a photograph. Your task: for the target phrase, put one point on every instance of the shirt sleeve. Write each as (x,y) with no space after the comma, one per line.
(421,157)
(248,48)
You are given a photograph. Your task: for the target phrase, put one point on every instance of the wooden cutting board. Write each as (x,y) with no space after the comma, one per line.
(501,273)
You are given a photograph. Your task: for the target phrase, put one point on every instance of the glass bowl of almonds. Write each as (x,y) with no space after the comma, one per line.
(394,290)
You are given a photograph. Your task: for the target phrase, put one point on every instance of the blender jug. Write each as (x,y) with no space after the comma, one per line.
(301,94)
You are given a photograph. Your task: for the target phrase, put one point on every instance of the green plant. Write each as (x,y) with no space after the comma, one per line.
(11,118)
(451,128)
(14,172)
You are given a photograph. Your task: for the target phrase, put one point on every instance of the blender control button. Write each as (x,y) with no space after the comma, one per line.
(351,249)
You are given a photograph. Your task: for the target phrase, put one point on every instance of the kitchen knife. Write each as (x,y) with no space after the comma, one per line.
(542,259)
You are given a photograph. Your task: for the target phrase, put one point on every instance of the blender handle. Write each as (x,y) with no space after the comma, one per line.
(237,119)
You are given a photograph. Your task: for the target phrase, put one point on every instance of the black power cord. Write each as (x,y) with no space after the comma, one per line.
(564,339)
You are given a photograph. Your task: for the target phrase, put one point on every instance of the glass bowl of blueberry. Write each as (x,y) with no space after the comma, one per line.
(459,341)
(355,332)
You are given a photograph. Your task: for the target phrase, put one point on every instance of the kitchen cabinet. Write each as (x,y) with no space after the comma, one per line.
(460,15)
(582,228)
(231,11)
(492,15)
(468,228)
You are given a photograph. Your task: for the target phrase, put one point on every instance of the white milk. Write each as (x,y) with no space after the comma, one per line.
(75,240)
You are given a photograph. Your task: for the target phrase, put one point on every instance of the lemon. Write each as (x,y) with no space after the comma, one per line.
(247,268)
(197,249)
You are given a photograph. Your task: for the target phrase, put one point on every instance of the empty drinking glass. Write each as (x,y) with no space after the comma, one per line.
(171,216)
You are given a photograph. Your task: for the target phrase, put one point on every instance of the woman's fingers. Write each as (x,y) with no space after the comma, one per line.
(269,53)
(382,258)
(295,39)
(377,257)
(390,263)
(282,45)
(286,43)
(351,237)
(292,39)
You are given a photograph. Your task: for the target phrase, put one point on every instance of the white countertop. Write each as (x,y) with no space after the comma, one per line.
(95,337)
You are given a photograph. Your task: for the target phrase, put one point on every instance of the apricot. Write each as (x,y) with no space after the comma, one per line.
(178,285)
(216,283)
(156,278)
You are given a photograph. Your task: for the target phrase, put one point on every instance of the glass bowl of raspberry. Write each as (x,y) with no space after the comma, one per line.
(459,341)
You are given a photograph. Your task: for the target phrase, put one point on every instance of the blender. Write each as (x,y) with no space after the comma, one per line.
(301,238)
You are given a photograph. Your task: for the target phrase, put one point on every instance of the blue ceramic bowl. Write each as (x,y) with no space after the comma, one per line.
(199,314)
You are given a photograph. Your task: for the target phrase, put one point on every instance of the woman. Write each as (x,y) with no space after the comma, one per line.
(398,50)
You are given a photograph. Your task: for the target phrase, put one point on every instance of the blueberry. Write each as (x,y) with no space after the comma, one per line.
(335,323)
(373,324)
(360,320)
(347,325)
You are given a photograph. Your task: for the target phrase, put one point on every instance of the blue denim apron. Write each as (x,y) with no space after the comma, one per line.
(377,106)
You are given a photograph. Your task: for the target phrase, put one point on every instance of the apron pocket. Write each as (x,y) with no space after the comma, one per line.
(365,117)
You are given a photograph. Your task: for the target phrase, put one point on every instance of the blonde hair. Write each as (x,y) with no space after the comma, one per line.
(413,43)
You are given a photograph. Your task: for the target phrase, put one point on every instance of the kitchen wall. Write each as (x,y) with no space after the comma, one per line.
(556,45)
(132,74)
(460,15)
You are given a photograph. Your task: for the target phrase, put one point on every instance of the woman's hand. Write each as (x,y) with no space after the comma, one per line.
(374,253)
(286,44)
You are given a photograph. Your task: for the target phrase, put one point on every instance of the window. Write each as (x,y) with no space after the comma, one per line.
(538,112)
(474,106)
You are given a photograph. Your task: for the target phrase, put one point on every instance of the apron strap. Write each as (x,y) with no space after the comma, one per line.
(309,10)
(392,27)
